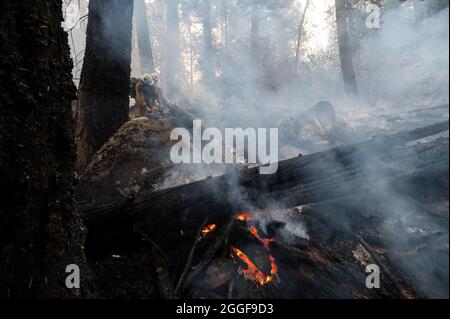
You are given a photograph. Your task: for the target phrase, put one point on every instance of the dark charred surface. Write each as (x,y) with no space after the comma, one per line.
(346,231)
(126,275)
(314,178)
(41,231)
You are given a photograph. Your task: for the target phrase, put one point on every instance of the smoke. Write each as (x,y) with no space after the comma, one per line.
(405,64)
(402,65)
(399,67)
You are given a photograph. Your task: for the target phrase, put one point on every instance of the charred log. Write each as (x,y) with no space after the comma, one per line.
(314,178)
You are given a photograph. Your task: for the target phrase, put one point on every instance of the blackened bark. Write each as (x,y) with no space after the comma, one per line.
(208,54)
(103,104)
(172,47)
(345,49)
(143,38)
(41,231)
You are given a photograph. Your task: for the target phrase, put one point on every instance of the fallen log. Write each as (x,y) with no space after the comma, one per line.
(313,178)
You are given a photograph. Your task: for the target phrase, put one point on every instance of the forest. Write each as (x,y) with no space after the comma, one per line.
(224,149)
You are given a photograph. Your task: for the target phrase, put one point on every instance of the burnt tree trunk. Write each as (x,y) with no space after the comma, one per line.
(41,231)
(208,54)
(143,38)
(345,49)
(103,104)
(172,47)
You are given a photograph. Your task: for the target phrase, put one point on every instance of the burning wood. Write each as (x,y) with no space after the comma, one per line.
(243,217)
(265,242)
(208,230)
(252,272)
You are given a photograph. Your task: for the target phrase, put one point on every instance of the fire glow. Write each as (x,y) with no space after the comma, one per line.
(252,272)
(208,230)
(243,217)
(265,242)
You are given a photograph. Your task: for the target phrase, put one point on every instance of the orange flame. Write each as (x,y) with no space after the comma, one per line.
(255,233)
(243,217)
(208,230)
(252,272)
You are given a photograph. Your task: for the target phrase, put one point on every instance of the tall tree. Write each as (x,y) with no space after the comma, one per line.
(191,55)
(143,37)
(41,231)
(225,24)
(254,35)
(299,33)
(345,48)
(172,46)
(208,48)
(103,100)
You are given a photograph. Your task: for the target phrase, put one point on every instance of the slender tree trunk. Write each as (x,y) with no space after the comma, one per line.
(299,34)
(143,37)
(191,55)
(40,229)
(345,49)
(208,54)
(172,47)
(103,102)
(225,23)
(254,36)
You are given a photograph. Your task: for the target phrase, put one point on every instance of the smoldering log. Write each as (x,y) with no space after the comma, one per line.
(242,239)
(313,178)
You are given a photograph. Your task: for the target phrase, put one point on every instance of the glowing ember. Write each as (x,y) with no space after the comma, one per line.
(252,272)
(255,233)
(243,217)
(208,230)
